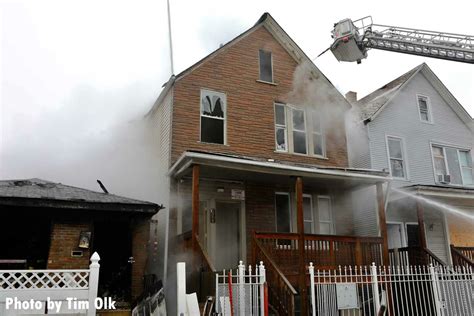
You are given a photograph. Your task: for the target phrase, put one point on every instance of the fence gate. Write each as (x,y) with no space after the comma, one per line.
(410,290)
(240,291)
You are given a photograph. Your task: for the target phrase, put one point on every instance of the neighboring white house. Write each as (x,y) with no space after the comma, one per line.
(415,128)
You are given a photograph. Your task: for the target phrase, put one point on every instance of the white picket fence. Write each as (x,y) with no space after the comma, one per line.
(410,290)
(244,288)
(26,292)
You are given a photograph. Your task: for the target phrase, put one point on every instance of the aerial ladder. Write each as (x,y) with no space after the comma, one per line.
(352,40)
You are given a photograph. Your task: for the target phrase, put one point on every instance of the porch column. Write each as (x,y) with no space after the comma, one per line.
(382,223)
(302,261)
(195,206)
(421,224)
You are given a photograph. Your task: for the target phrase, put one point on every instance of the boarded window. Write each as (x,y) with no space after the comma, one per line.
(281,136)
(423,108)
(397,163)
(282,210)
(299,132)
(265,61)
(213,111)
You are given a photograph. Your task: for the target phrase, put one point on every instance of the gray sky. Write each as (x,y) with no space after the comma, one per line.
(75,73)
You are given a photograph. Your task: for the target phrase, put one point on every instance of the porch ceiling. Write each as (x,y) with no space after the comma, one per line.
(233,168)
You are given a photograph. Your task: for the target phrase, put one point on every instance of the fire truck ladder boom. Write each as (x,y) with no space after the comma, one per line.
(449,46)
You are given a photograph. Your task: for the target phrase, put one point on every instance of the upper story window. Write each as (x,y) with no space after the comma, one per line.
(304,127)
(213,116)
(396,157)
(266,65)
(452,165)
(424,109)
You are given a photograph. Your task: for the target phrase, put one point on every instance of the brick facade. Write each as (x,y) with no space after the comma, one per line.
(64,240)
(250,104)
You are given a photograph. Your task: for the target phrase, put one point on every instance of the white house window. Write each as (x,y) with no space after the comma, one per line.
(299,131)
(396,157)
(308,214)
(425,115)
(266,67)
(281,141)
(282,212)
(213,112)
(325,215)
(457,163)
(317,134)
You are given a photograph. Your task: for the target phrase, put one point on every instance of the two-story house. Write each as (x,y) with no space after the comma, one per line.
(414,128)
(254,164)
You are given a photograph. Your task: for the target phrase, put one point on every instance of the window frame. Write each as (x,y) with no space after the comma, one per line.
(404,157)
(320,133)
(331,221)
(271,64)
(289,210)
(458,149)
(293,108)
(224,97)
(284,127)
(313,228)
(428,108)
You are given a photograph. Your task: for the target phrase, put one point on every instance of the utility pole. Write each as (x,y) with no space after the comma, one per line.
(170,39)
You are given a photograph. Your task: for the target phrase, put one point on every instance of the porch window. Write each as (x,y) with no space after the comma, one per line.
(266,66)
(308,214)
(282,212)
(281,136)
(396,157)
(299,131)
(325,215)
(423,107)
(213,112)
(317,134)
(456,163)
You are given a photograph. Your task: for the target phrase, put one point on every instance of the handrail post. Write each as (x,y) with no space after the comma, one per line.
(375,287)
(313,294)
(93,283)
(436,295)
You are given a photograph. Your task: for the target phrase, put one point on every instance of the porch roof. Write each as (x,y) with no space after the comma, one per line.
(248,168)
(453,196)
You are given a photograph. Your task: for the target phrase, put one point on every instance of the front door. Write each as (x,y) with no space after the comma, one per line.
(413,235)
(395,236)
(227,243)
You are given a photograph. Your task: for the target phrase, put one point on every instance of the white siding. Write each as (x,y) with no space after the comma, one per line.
(400,118)
(364,205)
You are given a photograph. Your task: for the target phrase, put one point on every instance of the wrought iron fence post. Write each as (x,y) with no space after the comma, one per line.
(375,287)
(93,283)
(313,294)
(436,294)
(241,272)
(261,274)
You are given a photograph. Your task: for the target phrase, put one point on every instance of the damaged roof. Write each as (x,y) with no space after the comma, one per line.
(42,193)
(373,103)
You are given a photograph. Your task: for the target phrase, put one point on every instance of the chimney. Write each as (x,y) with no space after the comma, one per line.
(351,96)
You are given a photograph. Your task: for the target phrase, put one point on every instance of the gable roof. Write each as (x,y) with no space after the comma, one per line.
(42,193)
(269,23)
(374,103)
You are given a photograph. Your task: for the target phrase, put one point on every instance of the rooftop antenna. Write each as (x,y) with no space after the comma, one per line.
(169,36)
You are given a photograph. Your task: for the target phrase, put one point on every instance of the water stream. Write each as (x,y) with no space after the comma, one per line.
(444,207)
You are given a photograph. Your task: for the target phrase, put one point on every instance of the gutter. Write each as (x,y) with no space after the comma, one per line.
(274,165)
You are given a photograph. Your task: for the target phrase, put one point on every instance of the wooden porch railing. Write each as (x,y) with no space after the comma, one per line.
(281,293)
(413,256)
(463,256)
(325,251)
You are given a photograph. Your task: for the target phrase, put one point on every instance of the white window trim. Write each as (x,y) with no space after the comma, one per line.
(313,228)
(404,157)
(308,131)
(289,210)
(281,126)
(331,221)
(428,107)
(217,118)
(454,146)
(271,62)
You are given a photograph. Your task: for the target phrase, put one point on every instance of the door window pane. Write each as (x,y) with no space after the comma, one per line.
(325,216)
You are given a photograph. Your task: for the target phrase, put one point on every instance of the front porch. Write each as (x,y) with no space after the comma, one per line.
(224,203)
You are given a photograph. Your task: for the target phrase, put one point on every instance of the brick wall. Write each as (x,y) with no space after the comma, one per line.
(250,104)
(65,239)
